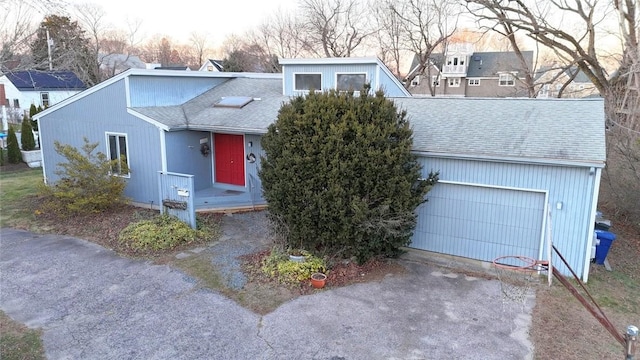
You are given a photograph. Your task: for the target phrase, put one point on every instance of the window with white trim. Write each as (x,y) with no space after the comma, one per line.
(306,82)
(117,149)
(474,82)
(347,82)
(454,82)
(44,99)
(415,81)
(455,60)
(435,80)
(506,80)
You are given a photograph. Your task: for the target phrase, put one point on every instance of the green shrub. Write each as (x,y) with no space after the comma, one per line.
(86,183)
(1,156)
(13,149)
(278,265)
(26,136)
(339,171)
(160,233)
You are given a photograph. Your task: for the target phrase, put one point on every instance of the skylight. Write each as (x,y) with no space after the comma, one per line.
(236,102)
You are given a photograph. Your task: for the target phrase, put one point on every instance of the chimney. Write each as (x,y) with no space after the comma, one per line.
(3,96)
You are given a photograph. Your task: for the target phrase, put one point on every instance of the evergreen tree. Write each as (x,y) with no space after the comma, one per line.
(26,136)
(71,49)
(32,110)
(13,149)
(339,172)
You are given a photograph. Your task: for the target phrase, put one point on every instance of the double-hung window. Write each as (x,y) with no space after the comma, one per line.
(44,99)
(507,80)
(118,151)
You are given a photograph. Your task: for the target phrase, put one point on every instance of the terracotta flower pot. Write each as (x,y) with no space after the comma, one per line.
(318,280)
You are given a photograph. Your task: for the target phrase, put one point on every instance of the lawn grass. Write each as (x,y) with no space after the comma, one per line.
(16,190)
(18,342)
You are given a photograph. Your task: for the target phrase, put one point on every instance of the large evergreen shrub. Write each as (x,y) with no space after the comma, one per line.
(26,136)
(339,172)
(13,149)
(86,183)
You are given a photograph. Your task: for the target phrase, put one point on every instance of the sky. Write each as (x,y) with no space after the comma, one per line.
(178,19)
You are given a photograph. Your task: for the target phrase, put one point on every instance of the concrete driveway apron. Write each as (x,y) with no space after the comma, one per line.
(92,304)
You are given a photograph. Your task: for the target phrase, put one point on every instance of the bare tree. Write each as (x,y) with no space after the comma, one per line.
(574,29)
(497,22)
(281,34)
(244,54)
(335,28)
(92,18)
(16,30)
(417,27)
(199,42)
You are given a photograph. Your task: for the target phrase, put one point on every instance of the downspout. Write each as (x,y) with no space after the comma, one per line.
(595,187)
(163,150)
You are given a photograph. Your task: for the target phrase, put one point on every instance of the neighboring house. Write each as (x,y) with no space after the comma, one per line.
(461,72)
(212,65)
(41,88)
(503,163)
(114,64)
(552,80)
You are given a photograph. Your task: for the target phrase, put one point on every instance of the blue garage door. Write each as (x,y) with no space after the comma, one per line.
(480,223)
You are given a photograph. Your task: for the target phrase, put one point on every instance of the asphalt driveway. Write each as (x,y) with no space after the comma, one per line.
(93,304)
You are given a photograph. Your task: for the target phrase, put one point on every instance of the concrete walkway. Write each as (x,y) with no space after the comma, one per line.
(93,304)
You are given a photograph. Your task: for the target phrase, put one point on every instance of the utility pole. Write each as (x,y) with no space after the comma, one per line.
(49,45)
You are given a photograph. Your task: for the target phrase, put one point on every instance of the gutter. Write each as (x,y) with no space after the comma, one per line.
(515,160)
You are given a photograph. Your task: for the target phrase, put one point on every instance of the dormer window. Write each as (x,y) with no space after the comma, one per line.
(506,80)
(347,82)
(306,82)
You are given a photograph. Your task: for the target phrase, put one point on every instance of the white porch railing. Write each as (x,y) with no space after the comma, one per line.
(454,69)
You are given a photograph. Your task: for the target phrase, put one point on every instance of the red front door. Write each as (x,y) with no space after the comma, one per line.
(229,158)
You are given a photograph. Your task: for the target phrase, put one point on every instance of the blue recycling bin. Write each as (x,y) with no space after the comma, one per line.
(606,239)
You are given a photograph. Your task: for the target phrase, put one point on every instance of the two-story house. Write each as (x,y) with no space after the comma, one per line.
(504,164)
(463,72)
(564,82)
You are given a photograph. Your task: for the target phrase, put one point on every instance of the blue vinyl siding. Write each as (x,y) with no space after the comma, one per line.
(166,91)
(184,156)
(389,86)
(328,72)
(573,186)
(94,115)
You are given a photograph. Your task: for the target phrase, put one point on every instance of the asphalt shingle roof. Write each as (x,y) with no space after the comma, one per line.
(45,80)
(199,113)
(551,129)
(562,130)
(488,64)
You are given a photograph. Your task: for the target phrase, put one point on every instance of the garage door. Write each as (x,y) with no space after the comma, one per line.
(481,223)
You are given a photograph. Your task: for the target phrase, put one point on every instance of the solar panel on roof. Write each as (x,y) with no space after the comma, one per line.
(234,101)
